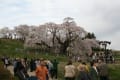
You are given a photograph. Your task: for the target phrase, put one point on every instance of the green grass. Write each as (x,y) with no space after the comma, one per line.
(114,71)
(8,47)
(15,48)
(116,54)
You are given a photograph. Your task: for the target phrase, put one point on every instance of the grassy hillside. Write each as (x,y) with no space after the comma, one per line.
(116,54)
(15,48)
(10,47)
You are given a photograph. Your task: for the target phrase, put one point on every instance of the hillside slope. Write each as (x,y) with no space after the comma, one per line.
(9,46)
(15,48)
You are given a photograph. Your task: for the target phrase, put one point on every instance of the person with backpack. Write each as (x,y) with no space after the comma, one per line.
(70,71)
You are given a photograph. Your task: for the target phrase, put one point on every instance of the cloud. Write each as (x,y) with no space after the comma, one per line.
(99,16)
(114,39)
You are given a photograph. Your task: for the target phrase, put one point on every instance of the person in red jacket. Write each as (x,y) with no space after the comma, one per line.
(41,71)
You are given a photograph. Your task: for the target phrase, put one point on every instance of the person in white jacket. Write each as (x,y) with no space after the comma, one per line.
(70,71)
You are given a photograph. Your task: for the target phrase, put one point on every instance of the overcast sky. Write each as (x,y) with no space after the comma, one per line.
(99,16)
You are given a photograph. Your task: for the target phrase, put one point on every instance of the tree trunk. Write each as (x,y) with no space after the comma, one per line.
(63,48)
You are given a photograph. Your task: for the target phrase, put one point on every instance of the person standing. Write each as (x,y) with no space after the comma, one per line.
(32,65)
(15,65)
(55,69)
(83,72)
(6,62)
(103,70)
(69,71)
(20,70)
(41,71)
(94,71)
(50,67)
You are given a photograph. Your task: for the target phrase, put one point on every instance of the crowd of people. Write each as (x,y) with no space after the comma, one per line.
(106,57)
(48,70)
(44,69)
(97,70)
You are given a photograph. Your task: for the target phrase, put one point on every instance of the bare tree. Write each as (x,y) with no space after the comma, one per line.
(59,38)
(69,32)
(5,32)
(38,38)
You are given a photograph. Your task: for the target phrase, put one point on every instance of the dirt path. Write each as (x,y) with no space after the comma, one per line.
(10,68)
